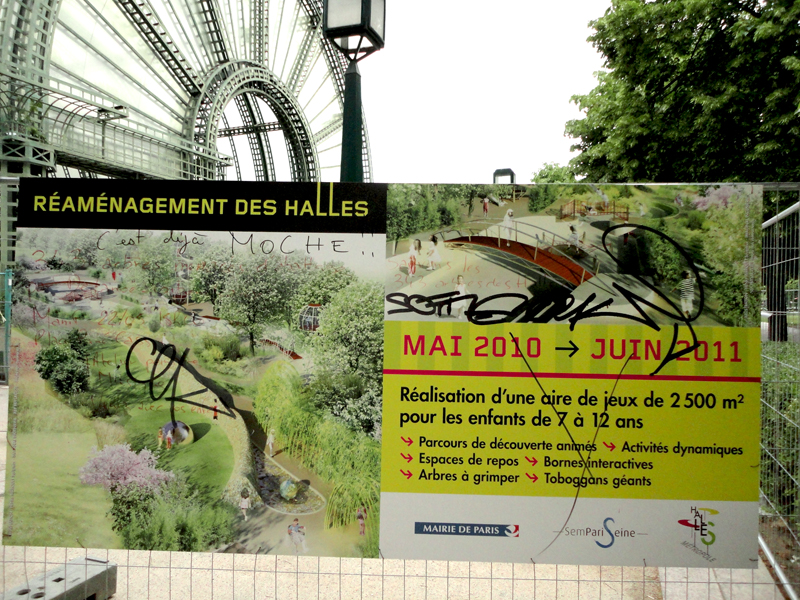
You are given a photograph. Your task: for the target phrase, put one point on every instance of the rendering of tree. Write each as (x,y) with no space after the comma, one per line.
(725,251)
(414,208)
(82,248)
(696,90)
(47,359)
(155,267)
(322,286)
(111,254)
(118,465)
(257,291)
(351,330)
(208,278)
(70,377)
(77,339)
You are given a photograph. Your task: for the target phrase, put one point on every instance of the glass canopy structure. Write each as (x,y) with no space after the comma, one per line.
(167,89)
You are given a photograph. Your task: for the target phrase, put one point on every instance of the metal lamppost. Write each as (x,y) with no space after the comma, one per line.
(357,28)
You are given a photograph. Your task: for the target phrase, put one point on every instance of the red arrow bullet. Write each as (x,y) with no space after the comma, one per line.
(610,446)
(408,441)
(408,474)
(408,458)
(533,477)
(533,461)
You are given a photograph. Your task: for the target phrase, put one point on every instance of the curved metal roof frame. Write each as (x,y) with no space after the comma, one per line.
(192,52)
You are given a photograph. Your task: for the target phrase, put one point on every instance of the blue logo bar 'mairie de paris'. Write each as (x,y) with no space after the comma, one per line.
(479,529)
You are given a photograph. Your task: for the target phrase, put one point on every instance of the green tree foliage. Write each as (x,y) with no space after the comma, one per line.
(698,90)
(20,282)
(413,208)
(725,250)
(349,349)
(349,459)
(350,335)
(82,248)
(155,269)
(172,517)
(63,364)
(345,396)
(227,347)
(541,196)
(77,339)
(553,173)
(663,259)
(154,322)
(321,286)
(212,268)
(70,377)
(257,291)
(112,254)
(47,359)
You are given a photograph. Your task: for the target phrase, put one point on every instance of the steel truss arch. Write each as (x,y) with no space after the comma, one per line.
(232,79)
(138,88)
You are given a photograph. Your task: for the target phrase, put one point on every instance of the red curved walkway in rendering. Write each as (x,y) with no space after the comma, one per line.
(69,282)
(290,353)
(550,261)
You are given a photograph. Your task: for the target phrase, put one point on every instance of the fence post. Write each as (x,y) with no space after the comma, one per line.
(8,280)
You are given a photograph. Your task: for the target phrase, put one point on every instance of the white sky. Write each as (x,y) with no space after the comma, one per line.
(464,88)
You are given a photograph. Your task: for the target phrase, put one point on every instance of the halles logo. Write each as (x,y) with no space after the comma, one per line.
(700,523)
(472,529)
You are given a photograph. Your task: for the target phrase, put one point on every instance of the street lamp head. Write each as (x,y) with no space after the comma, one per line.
(356,27)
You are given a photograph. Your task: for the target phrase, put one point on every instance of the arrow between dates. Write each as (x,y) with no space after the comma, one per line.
(572,348)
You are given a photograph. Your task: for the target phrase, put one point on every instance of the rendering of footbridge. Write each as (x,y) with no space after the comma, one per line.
(533,244)
(167,89)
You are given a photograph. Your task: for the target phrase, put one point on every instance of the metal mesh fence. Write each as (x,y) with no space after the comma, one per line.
(176,575)
(780,401)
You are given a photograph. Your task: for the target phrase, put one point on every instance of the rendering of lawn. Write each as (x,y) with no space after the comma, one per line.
(51,505)
(207,462)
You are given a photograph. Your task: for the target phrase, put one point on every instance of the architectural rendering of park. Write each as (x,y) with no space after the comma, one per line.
(547,241)
(192,399)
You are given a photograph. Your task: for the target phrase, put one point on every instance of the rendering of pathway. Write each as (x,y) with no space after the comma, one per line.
(265,530)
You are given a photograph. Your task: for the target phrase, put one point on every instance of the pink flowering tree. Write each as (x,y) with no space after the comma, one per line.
(119,466)
(719,197)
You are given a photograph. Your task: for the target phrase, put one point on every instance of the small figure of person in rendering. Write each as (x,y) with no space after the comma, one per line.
(244,503)
(433,253)
(160,437)
(508,226)
(413,253)
(216,417)
(687,294)
(271,442)
(461,289)
(169,440)
(486,206)
(297,533)
(361,517)
(573,237)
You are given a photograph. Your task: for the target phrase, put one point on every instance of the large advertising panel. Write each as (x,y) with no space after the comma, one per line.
(556,373)
(199,366)
(572,375)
